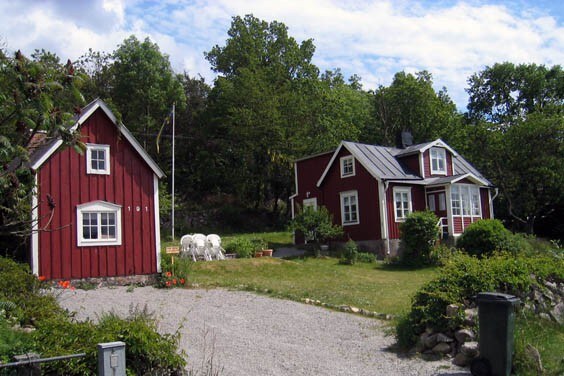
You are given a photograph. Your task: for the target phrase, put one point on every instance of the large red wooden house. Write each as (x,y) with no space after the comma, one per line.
(96,214)
(371,189)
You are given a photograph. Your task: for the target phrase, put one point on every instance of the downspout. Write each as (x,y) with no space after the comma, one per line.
(383,188)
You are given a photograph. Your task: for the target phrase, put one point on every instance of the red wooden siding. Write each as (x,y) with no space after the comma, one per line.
(417,204)
(412,162)
(130,185)
(485,201)
(368,202)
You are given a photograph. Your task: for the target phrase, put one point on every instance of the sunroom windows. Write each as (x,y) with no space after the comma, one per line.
(465,200)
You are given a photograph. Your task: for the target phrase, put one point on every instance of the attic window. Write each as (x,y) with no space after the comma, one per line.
(347,166)
(438,161)
(97,159)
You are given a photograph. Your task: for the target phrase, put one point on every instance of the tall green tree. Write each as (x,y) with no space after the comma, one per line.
(144,87)
(262,74)
(505,93)
(411,104)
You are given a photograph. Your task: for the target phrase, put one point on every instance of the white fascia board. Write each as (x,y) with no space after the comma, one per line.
(46,155)
(439,143)
(156,169)
(471,177)
(335,153)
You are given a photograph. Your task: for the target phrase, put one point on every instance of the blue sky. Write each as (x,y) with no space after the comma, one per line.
(373,39)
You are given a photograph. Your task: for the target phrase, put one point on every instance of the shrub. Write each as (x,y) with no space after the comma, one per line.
(419,233)
(316,225)
(484,237)
(242,247)
(349,254)
(366,257)
(463,277)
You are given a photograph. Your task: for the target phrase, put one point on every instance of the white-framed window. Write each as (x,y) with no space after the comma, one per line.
(442,202)
(97,159)
(402,202)
(98,223)
(466,200)
(347,166)
(431,202)
(310,203)
(349,208)
(438,161)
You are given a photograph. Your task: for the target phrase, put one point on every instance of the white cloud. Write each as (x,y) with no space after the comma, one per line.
(374,39)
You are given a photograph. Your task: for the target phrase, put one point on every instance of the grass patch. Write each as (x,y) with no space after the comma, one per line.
(547,337)
(370,286)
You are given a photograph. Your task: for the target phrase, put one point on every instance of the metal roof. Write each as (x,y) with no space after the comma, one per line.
(385,163)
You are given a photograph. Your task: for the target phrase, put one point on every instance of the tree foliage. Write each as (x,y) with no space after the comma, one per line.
(411,104)
(38,95)
(505,93)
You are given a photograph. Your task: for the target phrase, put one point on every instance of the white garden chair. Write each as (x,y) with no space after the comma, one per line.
(200,246)
(214,246)
(187,247)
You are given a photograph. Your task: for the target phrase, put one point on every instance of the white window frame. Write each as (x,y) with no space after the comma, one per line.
(347,208)
(404,212)
(438,155)
(466,200)
(347,166)
(310,203)
(98,208)
(96,147)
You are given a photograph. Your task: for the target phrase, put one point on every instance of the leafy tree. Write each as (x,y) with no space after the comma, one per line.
(410,103)
(36,96)
(144,87)
(505,93)
(316,225)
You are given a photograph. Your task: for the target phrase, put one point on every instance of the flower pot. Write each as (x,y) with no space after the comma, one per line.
(258,254)
(267,252)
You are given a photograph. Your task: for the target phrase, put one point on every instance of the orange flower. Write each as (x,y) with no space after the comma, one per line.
(174,281)
(168,274)
(42,278)
(168,283)
(182,281)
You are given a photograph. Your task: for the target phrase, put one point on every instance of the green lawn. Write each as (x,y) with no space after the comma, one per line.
(373,287)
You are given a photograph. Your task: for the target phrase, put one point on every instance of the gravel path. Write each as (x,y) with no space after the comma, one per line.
(249,334)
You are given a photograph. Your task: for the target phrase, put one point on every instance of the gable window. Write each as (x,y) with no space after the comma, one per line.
(347,166)
(98,223)
(438,161)
(349,208)
(465,200)
(97,159)
(402,202)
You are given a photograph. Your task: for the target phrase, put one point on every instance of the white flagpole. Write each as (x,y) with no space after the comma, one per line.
(173,120)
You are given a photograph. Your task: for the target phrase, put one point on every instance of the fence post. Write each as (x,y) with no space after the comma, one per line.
(111,359)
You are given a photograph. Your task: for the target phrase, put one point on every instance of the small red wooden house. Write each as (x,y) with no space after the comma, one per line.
(371,189)
(95,214)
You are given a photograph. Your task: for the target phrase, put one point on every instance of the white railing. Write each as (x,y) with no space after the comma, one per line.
(442,224)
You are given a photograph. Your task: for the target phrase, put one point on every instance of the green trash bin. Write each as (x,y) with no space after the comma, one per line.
(496,314)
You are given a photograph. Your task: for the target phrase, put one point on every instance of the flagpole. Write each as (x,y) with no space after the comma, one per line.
(173,121)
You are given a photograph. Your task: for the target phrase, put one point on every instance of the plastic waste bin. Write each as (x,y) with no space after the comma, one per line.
(496,314)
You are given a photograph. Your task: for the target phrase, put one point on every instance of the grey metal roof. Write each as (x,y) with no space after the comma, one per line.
(382,162)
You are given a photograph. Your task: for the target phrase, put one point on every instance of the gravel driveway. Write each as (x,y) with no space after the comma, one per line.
(249,334)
